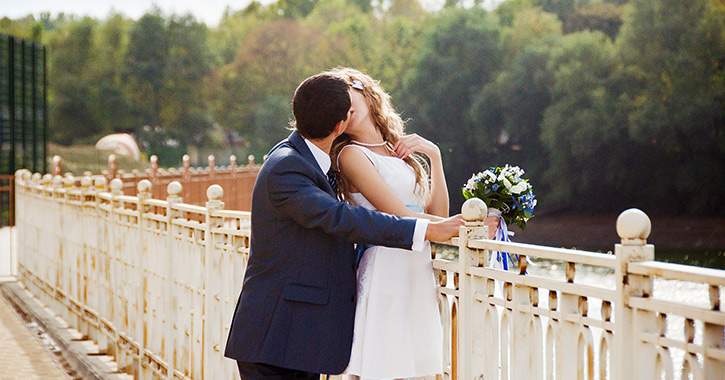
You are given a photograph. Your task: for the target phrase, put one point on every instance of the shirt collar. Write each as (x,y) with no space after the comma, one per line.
(322,158)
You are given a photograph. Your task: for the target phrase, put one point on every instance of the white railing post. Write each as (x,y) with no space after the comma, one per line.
(633,359)
(212,288)
(100,296)
(89,243)
(142,315)
(173,191)
(123,359)
(474,211)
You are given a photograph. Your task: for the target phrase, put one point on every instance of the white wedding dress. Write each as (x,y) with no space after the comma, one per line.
(398,333)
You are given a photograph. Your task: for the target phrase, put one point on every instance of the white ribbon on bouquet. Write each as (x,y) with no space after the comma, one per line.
(500,260)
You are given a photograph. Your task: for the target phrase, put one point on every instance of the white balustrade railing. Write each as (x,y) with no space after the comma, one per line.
(154,284)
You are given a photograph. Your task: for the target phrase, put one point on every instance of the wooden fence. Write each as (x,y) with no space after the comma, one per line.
(238,180)
(154,283)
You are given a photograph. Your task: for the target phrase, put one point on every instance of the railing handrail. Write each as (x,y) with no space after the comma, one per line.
(550,253)
(673,271)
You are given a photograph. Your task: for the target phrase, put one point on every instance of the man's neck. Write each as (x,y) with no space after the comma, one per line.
(325,143)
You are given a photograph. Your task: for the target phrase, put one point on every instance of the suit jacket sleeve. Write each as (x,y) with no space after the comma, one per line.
(295,191)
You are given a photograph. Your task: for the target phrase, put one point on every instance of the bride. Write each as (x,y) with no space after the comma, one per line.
(398,332)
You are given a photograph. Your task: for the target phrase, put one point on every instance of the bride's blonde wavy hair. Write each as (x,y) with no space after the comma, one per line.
(387,121)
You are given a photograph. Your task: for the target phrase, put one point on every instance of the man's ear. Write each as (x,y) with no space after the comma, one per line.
(339,128)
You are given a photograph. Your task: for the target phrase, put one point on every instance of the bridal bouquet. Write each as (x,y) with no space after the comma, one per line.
(504,189)
(509,197)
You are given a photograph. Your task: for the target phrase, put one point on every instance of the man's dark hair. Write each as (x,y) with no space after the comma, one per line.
(320,102)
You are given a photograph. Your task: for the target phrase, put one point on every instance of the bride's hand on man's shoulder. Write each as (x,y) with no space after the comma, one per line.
(409,144)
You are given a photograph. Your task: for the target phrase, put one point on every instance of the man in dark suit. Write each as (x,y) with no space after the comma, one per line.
(294,318)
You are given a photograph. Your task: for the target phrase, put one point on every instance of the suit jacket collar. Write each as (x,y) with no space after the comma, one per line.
(298,143)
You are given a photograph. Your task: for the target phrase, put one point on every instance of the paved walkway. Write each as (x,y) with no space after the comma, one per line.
(22,356)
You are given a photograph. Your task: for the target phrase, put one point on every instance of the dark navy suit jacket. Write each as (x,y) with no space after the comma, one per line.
(297,304)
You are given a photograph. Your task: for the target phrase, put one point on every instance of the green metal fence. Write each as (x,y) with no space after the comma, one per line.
(23,113)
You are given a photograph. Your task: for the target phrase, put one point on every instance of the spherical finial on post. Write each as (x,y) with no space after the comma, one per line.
(233,161)
(116,186)
(633,225)
(69,181)
(154,165)
(143,186)
(174,189)
(474,209)
(186,165)
(57,181)
(212,160)
(86,182)
(19,175)
(100,183)
(250,159)
(57,169)
(214,193)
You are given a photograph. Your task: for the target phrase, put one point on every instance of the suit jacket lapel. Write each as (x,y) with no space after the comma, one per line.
(300,146)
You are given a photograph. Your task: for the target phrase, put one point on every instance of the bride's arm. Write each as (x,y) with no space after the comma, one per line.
(438,201)
(359,172)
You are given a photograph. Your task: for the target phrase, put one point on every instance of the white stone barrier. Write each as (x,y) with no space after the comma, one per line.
(154,284)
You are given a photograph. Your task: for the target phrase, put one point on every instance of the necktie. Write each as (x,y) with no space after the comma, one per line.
(332,180)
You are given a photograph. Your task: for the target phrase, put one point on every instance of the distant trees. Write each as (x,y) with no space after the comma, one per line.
(606,103)
(70,79)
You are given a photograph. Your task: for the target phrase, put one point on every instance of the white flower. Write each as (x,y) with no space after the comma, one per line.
(519,187)
(507,184)
(471,184)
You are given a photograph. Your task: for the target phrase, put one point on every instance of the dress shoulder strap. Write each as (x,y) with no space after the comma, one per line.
(370,155)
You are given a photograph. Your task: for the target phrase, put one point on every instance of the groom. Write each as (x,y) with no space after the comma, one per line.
(294,318)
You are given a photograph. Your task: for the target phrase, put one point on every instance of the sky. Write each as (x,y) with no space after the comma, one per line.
(208,11)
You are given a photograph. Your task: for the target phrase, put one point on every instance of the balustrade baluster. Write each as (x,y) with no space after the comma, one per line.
(713,339)
(212,340)
(145,281)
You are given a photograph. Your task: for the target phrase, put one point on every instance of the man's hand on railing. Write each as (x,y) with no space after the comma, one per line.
(444,229)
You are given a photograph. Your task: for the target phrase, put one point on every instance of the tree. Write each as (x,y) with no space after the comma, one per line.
(512,106)
(146,61)
(581,127)
(71,54)
(673,52)
(111,106)
(273,60)
(562,8)
(227,38)
(184,111)
(459,55)
(604,17)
